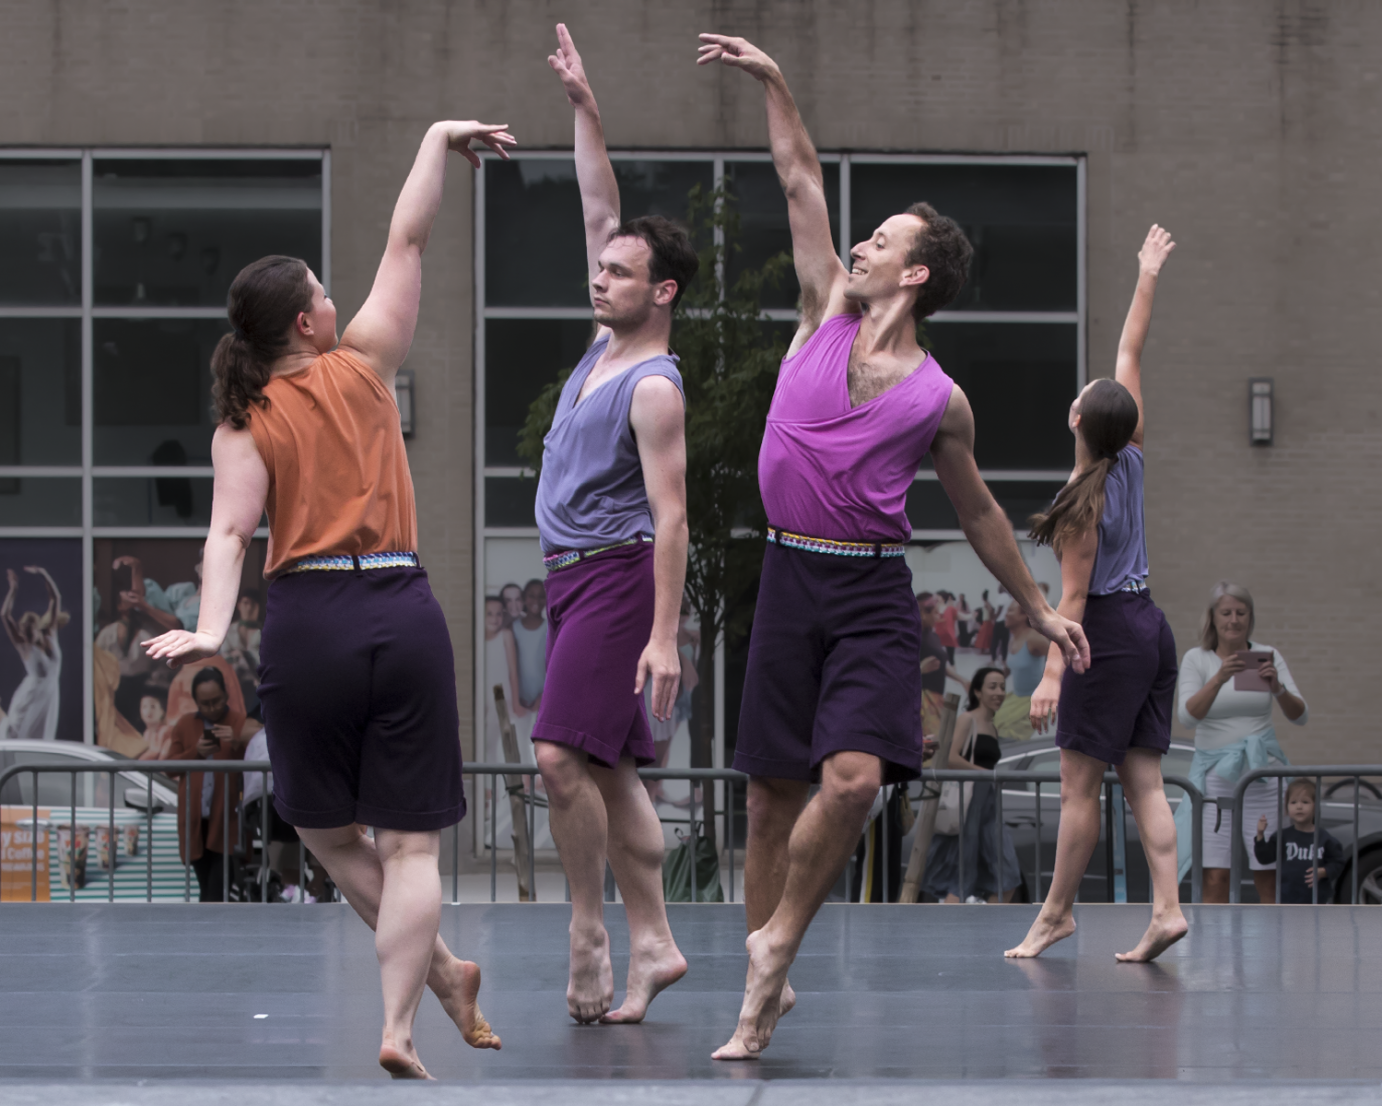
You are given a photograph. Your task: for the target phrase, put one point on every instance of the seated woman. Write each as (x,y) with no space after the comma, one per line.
(975,745)
(1233,732)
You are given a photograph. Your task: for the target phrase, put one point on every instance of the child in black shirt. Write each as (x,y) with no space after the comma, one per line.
(1299,869)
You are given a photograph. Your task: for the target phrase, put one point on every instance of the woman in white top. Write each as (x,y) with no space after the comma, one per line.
(1233,733)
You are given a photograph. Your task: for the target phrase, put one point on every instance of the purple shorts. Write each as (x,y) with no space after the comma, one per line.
(600,615)
(834,666)
(358,685)
(1124,701)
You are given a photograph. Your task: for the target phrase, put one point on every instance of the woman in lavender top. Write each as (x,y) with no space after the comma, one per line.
(1119,711)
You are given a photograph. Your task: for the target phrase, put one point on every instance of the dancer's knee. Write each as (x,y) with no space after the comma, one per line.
(564,770)
(852,780)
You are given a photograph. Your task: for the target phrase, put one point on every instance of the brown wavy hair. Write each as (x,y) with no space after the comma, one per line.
(942,247)
(1108,418)
(265,299)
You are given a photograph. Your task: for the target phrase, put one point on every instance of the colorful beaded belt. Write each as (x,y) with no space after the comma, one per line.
(838,548)
(554,561)
(1137,587)
(352,563)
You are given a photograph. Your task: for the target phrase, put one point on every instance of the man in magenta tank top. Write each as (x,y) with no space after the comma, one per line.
(611,514)
(833,688)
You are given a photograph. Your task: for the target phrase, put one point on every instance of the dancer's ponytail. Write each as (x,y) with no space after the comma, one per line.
(1108,418)
(265,300)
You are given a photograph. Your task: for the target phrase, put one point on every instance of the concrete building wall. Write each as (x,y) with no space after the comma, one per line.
(1249,128)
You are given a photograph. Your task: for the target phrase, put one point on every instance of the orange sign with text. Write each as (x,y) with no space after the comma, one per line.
(17,854)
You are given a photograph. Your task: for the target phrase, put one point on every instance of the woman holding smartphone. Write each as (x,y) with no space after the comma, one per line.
(1227,686)
(1119,711)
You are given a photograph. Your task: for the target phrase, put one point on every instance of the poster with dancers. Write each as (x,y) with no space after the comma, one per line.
(41,656)
(970,622)
(143,588)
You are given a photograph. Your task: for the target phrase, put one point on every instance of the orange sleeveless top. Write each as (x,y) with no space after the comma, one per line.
(338,472)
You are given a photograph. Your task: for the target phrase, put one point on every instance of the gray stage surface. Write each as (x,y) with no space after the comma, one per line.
(889,995)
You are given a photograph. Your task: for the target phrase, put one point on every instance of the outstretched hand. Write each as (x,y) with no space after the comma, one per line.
(566,62)
(459,136)
(739,53)
(179,647)
(1155,250)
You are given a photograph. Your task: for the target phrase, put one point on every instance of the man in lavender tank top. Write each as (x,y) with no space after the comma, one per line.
(833,688)
(611,513)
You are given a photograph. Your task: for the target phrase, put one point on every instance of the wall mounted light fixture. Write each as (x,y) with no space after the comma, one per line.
(1260,414)
(403,396)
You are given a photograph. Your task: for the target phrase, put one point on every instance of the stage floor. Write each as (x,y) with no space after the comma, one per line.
(894,993)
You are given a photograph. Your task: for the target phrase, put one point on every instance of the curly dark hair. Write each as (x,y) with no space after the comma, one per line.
(674,257)
(942,247)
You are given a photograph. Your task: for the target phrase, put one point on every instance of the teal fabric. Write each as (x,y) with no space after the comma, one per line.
(1229,763)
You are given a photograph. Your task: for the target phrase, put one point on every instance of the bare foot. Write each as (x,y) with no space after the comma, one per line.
(457,985)
(590,993)
(1160,936)
(763,996)
(649,973)
(1044,933)
(401,1063)
(788,999)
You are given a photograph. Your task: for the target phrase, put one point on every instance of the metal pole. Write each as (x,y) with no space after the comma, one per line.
(264,840)
(1356,782)
(1119,821)
(223,778)
(187,859)
(532,836)
(998,830)
(494,839)
(149,840)
(692,809)
(1036,882)
(455,863)
(1196,845)
(113,845)
(33,894)
(729,833)
(1315,843)
(1108,841)
(961,895)
(1280,825)
(72,839)
(302,872)
(883,829)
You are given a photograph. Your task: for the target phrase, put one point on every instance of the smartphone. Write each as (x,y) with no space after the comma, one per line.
(1249,679)
(122,579)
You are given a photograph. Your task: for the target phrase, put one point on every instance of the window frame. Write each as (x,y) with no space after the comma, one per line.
(87,312)
(718,157)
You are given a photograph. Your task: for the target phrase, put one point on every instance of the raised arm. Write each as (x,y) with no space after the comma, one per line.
(819,269)
(383,330)
(990,532)
(594,174)
(1128,372)
(7,611)
(50,616)
(237,504)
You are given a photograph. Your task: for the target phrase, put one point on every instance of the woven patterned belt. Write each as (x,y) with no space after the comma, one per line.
(556,561)
(352,563)
(838,548)
(1137,587)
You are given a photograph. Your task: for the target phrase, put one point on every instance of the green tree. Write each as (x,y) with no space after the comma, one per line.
(729,357)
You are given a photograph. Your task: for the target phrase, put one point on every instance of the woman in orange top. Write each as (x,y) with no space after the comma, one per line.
(356,670)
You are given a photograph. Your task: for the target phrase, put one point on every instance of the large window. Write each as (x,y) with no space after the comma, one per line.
(112,298)
(1014,339)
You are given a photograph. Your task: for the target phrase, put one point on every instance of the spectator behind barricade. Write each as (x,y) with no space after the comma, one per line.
(975,746)
(1304,861)
(1233,733)
(935,663)
(1026,664)
(511,595)
(214,732)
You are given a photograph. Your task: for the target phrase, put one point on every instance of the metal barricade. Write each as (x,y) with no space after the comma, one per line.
(151,768)
(1281,773)
(998,777)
